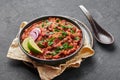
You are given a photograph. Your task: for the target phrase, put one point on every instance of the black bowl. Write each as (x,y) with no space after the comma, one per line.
(50,62)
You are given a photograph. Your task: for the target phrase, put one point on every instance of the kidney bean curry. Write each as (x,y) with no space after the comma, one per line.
(52,38)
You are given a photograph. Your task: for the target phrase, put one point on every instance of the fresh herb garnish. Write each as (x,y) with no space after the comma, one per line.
(53,53)
(56,29)
(72,31)
(64,34)
(60,37)
(57,20)
(65,27)
(40,44)
(43,25)
(77,38)
(46,21)
(67,46)
(58,49)
(49,23)
(63,47)
(69,26)
(50,41)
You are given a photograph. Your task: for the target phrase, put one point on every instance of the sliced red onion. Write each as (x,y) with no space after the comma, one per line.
(35,33)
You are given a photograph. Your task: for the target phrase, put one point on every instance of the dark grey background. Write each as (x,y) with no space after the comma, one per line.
(104,65)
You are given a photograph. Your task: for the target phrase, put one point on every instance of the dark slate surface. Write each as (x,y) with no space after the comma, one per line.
(104,65)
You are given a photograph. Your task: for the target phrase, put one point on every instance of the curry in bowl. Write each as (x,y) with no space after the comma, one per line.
(51,38)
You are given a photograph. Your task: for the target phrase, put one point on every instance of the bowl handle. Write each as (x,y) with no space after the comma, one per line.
(22,25)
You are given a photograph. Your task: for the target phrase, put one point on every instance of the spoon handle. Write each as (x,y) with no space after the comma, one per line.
(89,17)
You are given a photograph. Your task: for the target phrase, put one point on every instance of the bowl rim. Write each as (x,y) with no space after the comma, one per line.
(47,16)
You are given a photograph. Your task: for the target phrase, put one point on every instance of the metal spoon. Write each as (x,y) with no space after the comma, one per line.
(100,34)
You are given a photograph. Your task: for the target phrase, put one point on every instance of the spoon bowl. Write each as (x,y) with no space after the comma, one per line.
(101,35)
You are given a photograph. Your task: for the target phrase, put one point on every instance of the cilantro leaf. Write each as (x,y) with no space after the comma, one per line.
(46,21)
(43,25)
(65,27)
(58,49)
(60,37)
(67,46)
(50,41)
(69,26)
(64,34)
(77,38)
(57,20)
(40,44)
(72,31)
(56,29)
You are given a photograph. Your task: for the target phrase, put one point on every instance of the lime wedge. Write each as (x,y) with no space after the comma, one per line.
(33,46)
(25,44)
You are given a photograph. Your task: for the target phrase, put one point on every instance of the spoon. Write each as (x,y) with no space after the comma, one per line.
(100,34)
